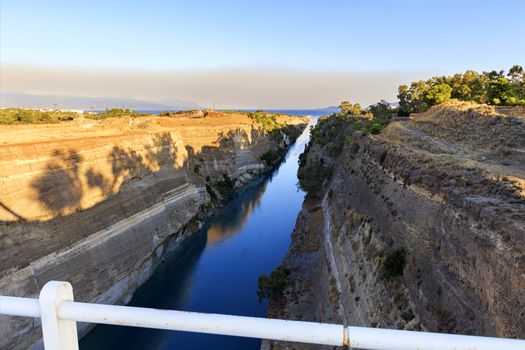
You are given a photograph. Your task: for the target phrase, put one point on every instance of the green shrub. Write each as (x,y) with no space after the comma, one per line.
(383,111)
(303,157)
(273,285)
(197,169)
(226,187)
(266,120)
(375,128)
(312,176)
(335,127)
(113,113)
(292,132)
(276,136)
(33,116)
(272,156)
(335,147)
(176,113)
(349,108)
(394,263)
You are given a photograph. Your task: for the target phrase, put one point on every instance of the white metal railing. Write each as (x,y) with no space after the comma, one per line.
(59,314)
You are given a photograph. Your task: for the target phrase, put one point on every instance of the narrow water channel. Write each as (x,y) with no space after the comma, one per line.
(216,269)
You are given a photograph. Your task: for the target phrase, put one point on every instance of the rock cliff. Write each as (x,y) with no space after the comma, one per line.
(97,203)
(420,227)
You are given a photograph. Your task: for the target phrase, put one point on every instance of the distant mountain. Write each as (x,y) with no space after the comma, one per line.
(331,109)
(13,99)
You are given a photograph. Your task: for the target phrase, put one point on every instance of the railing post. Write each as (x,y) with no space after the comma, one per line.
(57,334)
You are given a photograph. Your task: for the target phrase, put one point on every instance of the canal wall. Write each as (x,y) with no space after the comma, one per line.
(97,203)
(419,227)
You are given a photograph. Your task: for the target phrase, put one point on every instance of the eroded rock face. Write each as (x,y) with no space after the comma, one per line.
(97,203)
(448,193)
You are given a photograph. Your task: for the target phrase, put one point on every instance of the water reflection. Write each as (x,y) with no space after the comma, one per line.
(238,215)
(161,291)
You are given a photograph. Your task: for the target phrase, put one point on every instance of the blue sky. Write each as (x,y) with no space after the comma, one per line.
(431,36)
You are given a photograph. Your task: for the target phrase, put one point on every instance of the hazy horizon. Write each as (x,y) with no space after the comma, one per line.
(227,88)
(235,54)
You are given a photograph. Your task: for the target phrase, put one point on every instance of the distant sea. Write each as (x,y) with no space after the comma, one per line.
(301,112)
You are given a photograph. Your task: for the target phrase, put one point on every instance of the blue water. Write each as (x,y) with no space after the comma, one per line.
(216,269)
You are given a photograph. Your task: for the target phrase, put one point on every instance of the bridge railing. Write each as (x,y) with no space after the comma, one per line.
(59,314)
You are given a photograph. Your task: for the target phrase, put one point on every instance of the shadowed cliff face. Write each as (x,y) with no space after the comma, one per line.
(420,227)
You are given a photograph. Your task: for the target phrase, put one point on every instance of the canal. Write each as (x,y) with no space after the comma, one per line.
(216,269)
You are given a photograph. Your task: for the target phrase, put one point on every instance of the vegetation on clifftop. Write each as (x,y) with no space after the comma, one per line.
(266,120)
(333,132)
(32,116)
(113,113)
(496,88)
(36,116)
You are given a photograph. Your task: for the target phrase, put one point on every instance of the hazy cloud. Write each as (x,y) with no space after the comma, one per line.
(228,88)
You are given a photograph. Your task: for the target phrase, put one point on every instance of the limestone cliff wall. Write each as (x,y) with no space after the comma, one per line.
(97,203)
(446,187)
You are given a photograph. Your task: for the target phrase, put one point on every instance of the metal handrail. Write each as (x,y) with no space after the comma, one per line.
(59,314)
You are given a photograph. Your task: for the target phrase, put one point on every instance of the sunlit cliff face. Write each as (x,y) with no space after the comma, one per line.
(56,170)
(227,88)
(76,175)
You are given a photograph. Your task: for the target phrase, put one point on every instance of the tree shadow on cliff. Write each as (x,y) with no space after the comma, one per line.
(62,186)
(205,162)
(227,143)
(61,172)
(128,164)
(66,179)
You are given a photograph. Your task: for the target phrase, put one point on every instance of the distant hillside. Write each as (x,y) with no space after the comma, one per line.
(11,99)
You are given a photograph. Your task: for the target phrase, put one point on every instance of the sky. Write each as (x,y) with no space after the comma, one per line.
(249,54)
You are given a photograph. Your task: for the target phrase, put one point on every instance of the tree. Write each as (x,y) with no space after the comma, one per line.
(493,75)
(460,84)
(382,111)
(493,87)
(516,73)
(499,91)
(411,98)
(404,104)
(437,94)
(348,108)
(517,82)
(477,83)
(272,285)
